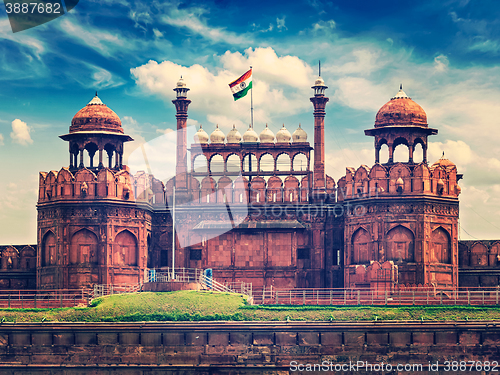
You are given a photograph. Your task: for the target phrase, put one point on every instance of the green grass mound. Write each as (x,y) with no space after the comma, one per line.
(212,306)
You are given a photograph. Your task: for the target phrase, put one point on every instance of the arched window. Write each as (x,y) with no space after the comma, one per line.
(233,163)
(400,245)
(418,153)
(300,162)
(266,163)
(384,153)
(200,164)
(91,150)
(216,164)
(49,249)
(125,249)
(83,248)
(440,246)
(110,149)
(250,163)
(361,252)
(283,162)
(401,153)
(479,255)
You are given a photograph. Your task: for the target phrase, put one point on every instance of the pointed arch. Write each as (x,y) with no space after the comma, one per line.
(274,189)
(217,163)
(125,249)
(233,163)
(28,257)
(10,258)
(258,189)
(400,245)
(266,163)
(283,162)
(48,253)
(360,247)
(440,246)
(249,163)
(291,189)
(300,162)
(479,255)
(83,247)
(200,164)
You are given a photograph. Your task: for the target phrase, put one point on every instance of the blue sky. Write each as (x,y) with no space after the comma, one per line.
(445,53)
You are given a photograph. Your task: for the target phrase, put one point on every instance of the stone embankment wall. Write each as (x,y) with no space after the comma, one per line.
(238,348)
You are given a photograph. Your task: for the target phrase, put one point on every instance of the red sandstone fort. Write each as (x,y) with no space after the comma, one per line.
(390,224)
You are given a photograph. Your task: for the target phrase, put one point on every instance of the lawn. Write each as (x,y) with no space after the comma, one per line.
(206,306)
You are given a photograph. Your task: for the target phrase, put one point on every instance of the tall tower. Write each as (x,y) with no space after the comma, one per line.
(181,105)
(92,225)
(401,225)
(319,102)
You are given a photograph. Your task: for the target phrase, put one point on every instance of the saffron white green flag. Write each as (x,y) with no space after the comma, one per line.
(241,86)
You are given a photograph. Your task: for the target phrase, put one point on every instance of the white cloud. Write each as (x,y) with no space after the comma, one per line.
(20,133)
(35,45)
(458,152)
(363,60)
(132,128)
(359,93)
(280,24)
(191,19)
(441,63)
(101,41)
(324,26)
(158,33)
(1,140)
(273,76)
(487,46)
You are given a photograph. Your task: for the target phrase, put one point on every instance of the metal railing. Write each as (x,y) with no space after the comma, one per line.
(407,297)
(23,299)
(101,290)
(197,275)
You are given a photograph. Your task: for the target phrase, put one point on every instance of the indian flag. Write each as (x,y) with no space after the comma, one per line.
(241,86)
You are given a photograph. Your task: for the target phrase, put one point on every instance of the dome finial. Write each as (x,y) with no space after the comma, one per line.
(401,86)
(442,156)
(95,92)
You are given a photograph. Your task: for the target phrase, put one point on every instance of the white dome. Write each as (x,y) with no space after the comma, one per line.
(283,135)
(250,135)
(181,83)
(299,135)
(201,136)
(217,136)
(233,136)
(319,82)
(266,136)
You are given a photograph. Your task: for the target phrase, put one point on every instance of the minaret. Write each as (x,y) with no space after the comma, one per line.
(319,102)
(181,106)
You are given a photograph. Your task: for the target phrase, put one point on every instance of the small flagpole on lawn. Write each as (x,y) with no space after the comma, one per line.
(251,101)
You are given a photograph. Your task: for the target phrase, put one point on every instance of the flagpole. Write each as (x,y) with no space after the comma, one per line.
(251,101)
(173,235)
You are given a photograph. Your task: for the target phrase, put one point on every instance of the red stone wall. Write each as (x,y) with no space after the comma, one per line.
(213,348)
